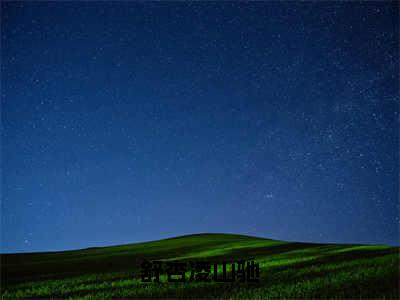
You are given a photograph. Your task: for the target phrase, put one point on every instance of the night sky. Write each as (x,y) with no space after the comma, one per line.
(125,122)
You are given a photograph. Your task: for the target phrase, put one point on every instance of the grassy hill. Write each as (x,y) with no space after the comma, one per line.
(287,270)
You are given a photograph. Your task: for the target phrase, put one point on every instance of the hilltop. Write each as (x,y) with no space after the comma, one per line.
(287,269)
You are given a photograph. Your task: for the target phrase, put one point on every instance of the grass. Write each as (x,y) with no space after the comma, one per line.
(287,270)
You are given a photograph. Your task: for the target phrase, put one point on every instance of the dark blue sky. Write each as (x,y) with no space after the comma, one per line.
(125,122)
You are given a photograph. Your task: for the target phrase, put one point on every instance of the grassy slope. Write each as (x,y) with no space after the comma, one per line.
(288,270)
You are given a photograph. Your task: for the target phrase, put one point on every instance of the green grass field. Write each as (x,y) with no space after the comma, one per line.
(287,270)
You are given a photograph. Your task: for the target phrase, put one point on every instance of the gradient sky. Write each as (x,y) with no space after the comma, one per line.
(125,122)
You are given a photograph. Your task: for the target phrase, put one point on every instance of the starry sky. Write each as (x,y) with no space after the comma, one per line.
(129,121)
